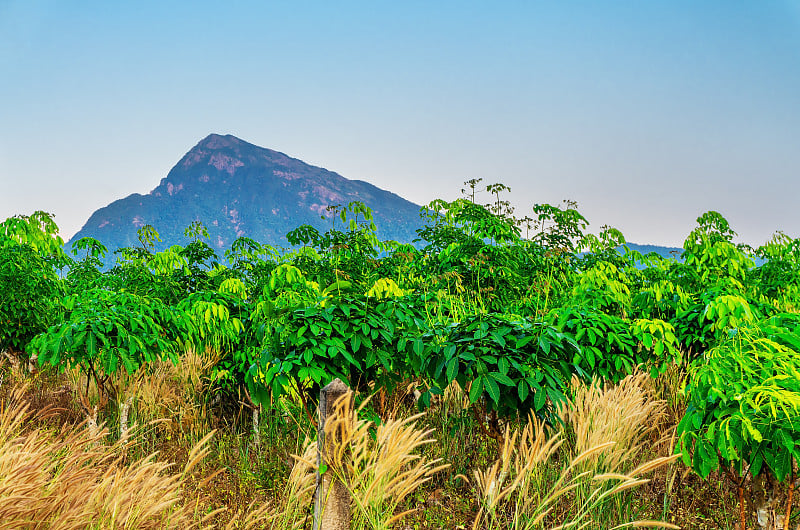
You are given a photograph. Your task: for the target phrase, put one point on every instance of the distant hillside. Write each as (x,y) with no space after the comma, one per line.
(666,252)
(239,189)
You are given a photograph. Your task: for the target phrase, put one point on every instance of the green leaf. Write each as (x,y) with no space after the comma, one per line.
(501,378)
(686,456)
(539,400)
(91,345)
(498,338)
(523,390)
(757,463)
(452,369)
(476,390)
(468,356)
(544,344)
(350,358)
(523,341)
(503,365)
(492,388)
(128,363)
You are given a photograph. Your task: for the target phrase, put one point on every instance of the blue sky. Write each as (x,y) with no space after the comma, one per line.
(646,113)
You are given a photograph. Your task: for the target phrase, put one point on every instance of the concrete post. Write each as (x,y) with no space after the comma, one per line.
(331,498)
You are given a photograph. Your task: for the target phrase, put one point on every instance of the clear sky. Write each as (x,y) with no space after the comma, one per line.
(647,113)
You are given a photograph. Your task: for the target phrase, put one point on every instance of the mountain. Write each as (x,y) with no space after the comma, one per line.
(239,189)
(664,252)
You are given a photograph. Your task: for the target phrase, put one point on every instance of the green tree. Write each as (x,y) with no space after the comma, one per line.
(30,252)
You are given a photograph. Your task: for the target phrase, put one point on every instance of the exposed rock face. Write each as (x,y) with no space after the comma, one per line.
(238,189)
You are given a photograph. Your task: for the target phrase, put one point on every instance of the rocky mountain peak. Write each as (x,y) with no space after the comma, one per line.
(219,141)
(239,189)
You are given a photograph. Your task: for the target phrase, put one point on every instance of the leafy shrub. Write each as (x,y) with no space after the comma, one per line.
(511,366)
(105,331)
(358,339)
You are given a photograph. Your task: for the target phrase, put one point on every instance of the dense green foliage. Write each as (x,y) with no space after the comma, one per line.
(509,310)
(30,254)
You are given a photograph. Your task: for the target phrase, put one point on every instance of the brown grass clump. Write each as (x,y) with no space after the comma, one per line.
(167,398)
(529,488)
(620,417)
(381,472)
(518,477)
(68,479)
(175,392)
(379,468)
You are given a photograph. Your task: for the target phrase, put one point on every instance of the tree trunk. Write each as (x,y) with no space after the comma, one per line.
(91,423)
(123,419)
(772,506)
(256,432)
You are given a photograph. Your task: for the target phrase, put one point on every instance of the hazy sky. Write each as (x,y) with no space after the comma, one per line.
(646,113)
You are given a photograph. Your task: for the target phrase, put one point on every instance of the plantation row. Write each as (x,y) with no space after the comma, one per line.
(510,310)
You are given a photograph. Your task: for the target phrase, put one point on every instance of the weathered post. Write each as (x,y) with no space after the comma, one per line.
(331,498)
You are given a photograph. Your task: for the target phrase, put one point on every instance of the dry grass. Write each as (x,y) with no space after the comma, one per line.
(175,392)
(379,467)
(293,509)
(522,495)
(528,488)
(69,479)
(161,395)
(542,479)
(517,478)
(625,415)
(379,473)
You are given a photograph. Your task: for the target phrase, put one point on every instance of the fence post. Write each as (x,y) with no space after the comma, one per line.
(331,498)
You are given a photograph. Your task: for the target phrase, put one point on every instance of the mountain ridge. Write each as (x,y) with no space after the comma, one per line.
(661,250)
(236,188)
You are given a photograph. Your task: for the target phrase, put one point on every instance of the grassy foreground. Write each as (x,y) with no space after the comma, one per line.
(173,457)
